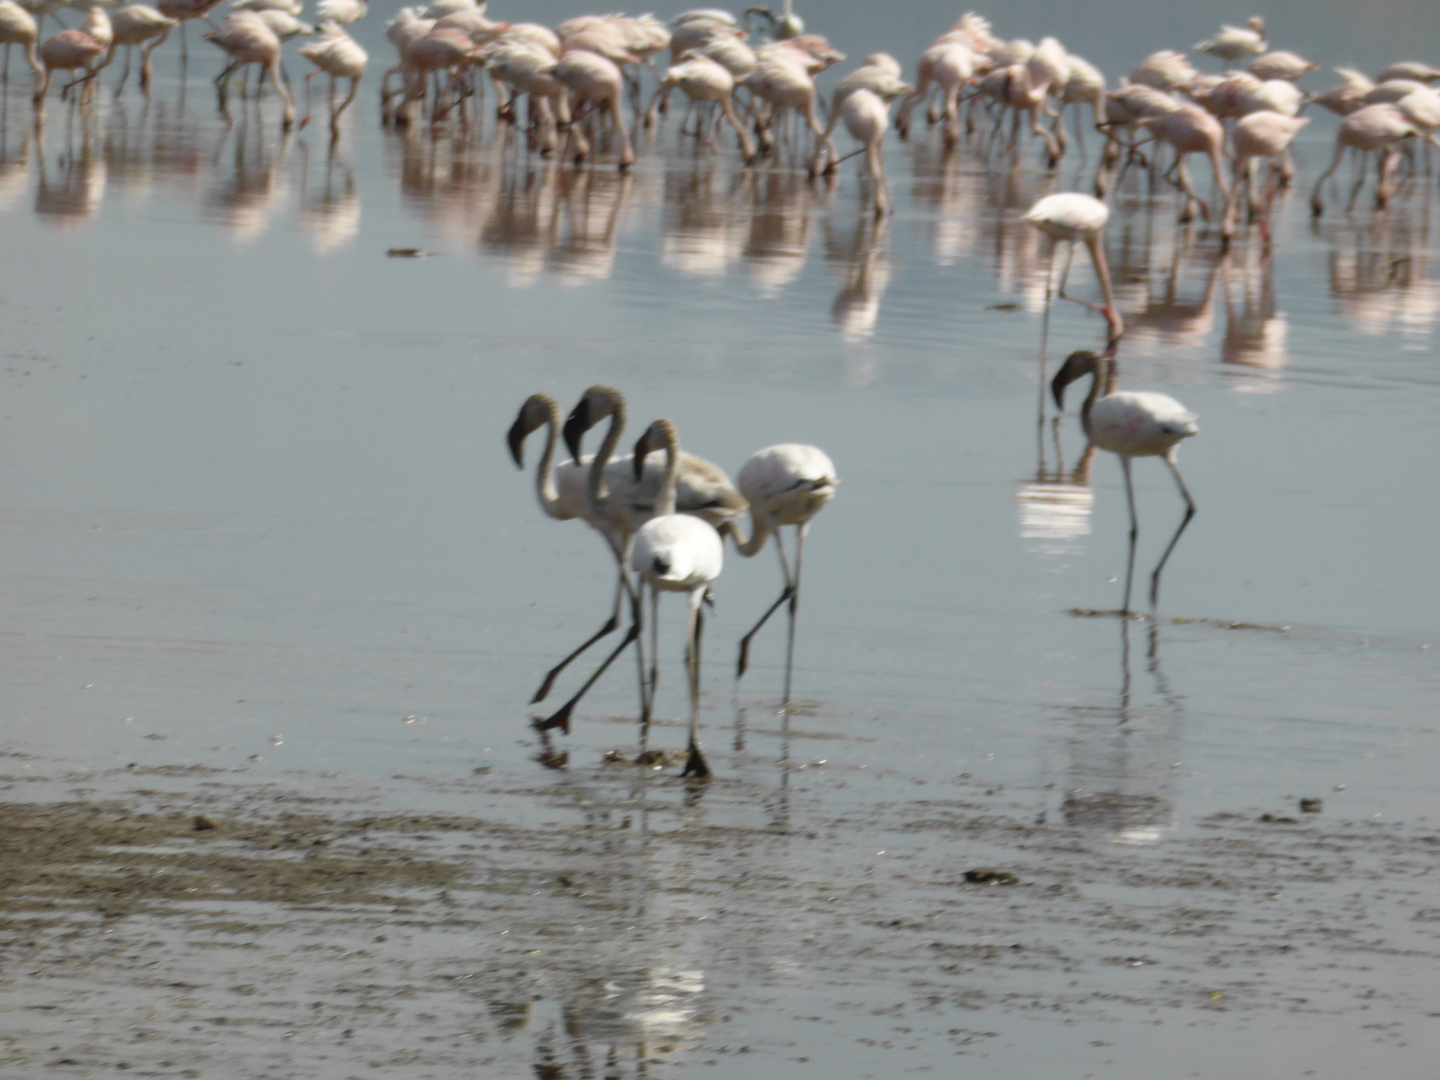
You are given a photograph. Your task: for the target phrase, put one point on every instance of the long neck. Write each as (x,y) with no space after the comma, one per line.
(1102,377)
(748,548)
(32,57)
(545,489)
(619,413)
(665,504)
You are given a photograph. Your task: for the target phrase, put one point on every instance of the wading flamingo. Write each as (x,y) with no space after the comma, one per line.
(1236,42)
(1073,217)
(18,27)
(248,39)
(675,553)
(1375,127)
(340,56)
(1130,424)
(786,484)
(137,24)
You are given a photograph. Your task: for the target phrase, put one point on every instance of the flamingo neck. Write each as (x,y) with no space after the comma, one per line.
(545,489)
(665,504)
(748,548)
(599,493)
(1102,381)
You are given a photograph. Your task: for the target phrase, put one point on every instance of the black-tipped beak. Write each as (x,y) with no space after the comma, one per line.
(642,451)
(1057,387)
(575,427)
(515,439)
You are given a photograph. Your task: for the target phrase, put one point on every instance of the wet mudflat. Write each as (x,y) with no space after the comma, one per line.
(269,566)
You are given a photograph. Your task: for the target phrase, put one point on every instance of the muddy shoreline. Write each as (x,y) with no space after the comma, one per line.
(258,930)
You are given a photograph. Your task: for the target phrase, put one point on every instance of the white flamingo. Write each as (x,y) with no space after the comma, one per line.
(787,484)
(1130,424)
(1074,217)
(675,553)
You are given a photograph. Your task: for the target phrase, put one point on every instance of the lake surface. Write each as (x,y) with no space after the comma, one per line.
(259,518)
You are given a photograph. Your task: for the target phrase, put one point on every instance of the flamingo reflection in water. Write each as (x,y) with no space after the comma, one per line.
(1121,775)
(1130,424)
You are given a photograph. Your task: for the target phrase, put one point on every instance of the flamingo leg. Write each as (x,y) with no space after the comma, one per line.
(622,586)
(695,764)
(1134,534)
(1189,513)
(561,717)
(1316,206)
(744,661)
(794,607)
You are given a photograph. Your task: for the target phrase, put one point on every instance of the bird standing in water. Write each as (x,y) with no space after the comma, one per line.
(675,553)
(1130,424)
(786,484)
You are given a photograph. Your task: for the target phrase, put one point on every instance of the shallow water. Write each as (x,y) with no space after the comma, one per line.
(259,518)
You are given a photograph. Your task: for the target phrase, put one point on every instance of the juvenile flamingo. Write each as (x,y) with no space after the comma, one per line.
(787,484)
(1130,424)
(619,505)
(675,553)
(1072,217)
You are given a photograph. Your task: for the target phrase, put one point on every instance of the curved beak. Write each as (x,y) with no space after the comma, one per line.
(515,439)
(575,427)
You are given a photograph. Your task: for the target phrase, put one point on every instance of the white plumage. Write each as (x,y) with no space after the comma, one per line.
(1130,424)
(787,484)
(1072,217)
(676,553)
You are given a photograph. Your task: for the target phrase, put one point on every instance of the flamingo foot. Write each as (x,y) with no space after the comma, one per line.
(695,766)
(561,720)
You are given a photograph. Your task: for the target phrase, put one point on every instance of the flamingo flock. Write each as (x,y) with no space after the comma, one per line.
(666,525)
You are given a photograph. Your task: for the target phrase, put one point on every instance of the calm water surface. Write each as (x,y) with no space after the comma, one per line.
(258,515)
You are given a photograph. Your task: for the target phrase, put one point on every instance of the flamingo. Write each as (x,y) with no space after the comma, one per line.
(1074,217)
(592,78)
(1191,130)
(704,79)
(1282,65)
(340,12)
(787,484)
(1130,424)
(787,25)
(880,74)
(675,553)
(1259,135)
(1374,127)
(248,39)
(867,118)
(18,27)
(1236,42)
(1347,95)
(616,505)
(134,25)
(1409,69)
(182,11)
(75,50)
(340,56)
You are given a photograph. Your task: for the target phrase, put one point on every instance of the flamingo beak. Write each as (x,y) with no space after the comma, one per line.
(575,427)
(515,439)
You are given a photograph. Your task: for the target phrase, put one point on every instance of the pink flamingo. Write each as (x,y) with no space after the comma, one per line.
(1259,135)
(1072,217)
(135,25)
(248,39)
(1373,128)
(182,11)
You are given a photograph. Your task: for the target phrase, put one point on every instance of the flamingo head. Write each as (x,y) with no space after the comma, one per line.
(1077,365)
(538,409)
(598,402)
(660,435)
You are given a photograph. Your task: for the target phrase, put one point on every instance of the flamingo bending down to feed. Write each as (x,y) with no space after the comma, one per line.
(340,56)
(786,484)
(18,27)
(605,493)
(247,39)
(1075,217)
(1130,424)
(137,24)
(675,553)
